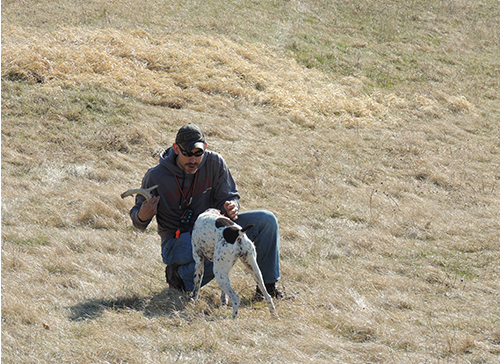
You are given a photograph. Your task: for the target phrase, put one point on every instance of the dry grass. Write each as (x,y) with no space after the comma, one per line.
(370,129)
(193,72)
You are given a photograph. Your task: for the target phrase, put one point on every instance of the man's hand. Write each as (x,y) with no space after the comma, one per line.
(148,209)
(231,209)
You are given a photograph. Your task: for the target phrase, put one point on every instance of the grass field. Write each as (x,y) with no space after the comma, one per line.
(371,129)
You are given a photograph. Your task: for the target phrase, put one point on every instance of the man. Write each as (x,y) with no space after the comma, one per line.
(192,179)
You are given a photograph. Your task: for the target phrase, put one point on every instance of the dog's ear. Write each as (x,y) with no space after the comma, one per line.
(246,228)
(231,234)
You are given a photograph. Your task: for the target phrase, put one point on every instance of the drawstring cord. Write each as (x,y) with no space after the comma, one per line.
(186,201)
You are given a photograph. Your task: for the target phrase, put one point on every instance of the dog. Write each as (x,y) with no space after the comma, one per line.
(217,238)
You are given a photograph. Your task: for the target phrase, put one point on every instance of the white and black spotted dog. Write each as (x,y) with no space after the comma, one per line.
(217,238)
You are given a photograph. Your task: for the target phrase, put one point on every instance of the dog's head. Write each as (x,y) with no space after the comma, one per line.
(233,234)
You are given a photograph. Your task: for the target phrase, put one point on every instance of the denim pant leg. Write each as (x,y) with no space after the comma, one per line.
(265,235)
(178,252)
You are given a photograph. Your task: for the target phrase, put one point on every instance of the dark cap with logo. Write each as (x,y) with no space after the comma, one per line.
(190,137)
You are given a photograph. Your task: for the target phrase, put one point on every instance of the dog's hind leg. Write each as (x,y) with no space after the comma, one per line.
(199,270)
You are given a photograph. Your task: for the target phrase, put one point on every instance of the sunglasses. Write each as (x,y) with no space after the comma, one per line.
(185,153)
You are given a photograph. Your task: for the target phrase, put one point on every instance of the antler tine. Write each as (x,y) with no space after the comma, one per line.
(146,192)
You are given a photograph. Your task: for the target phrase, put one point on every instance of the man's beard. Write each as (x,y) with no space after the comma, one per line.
(191,168)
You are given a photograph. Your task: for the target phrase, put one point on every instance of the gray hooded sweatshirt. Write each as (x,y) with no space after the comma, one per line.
(213,187)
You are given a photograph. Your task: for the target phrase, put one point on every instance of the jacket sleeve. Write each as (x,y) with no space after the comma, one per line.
(141,225)
(225,187)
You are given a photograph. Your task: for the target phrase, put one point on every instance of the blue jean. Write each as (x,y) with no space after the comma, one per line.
(265,235)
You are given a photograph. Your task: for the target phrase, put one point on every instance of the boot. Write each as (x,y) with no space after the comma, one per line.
(173,278)
(271,289)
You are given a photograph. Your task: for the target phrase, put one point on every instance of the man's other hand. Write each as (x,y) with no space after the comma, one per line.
(231,209)
(149,209)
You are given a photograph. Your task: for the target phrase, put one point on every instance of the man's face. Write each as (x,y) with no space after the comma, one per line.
(188,161)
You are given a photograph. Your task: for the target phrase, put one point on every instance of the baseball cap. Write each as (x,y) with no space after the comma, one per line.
(190,137)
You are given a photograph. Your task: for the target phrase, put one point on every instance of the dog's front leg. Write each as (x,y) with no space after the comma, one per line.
(222,268)
(251,263)
(223,298)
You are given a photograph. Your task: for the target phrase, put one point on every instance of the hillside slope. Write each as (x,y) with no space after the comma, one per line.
(371,130)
